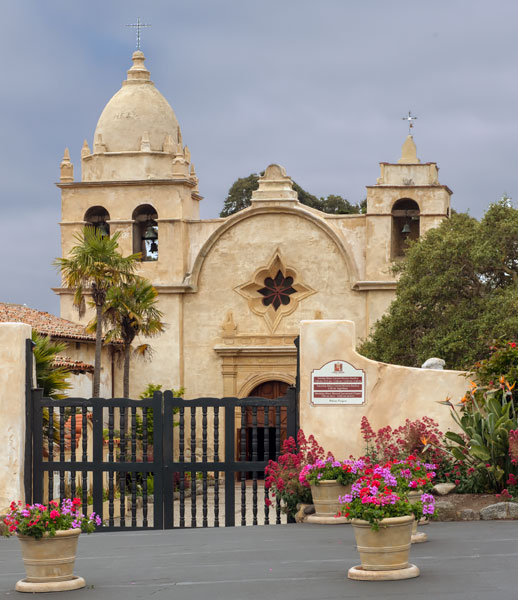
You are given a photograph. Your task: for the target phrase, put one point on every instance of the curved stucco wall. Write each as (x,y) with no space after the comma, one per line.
(392,393)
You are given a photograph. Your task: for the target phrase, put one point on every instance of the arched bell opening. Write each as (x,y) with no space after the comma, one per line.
(405,225)
(98,217)
(145,232)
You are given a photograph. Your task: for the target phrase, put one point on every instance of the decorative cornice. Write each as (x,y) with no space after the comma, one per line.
(137,182)
(256,350)
(161,289)
(408,187)
(366,286)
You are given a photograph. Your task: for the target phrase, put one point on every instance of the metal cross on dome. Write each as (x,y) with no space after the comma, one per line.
(410,120)
(138,25)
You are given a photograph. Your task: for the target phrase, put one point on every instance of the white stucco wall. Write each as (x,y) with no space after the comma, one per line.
(12,411)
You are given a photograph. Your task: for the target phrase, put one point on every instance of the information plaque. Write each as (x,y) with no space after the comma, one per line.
(338,382)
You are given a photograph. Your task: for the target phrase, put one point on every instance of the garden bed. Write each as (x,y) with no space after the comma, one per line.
(467,507)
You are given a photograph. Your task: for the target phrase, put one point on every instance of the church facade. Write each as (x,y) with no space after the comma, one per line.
(233,290)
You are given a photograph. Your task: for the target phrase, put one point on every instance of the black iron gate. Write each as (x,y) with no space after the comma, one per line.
(163,462)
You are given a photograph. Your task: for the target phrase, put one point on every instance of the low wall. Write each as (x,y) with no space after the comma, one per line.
(12,411)
(391,393)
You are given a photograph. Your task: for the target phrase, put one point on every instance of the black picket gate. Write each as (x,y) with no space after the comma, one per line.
(145,464)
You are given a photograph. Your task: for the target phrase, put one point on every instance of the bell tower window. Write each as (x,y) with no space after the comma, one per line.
(98,217)
(145,232)
(405,225)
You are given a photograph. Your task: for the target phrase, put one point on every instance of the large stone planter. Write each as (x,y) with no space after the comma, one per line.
(384,553)
(49,562)
(325,499)
(417,536)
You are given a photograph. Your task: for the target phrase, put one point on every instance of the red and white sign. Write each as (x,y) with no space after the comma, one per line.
(338,382)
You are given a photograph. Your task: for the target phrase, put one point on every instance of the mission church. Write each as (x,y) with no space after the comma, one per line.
(233,290)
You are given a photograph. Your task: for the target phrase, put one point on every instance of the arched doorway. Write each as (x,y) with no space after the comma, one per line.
(277,422)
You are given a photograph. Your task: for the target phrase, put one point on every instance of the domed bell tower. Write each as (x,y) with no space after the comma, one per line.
(137,178)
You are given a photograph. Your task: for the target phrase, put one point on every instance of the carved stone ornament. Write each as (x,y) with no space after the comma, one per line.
(274,291)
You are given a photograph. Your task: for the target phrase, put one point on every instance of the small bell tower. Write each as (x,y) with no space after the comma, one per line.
(405,203)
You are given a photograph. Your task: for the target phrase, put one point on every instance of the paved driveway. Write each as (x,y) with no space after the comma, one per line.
(462,561)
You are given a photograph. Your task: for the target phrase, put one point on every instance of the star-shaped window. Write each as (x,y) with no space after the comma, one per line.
(274,291)
(277,291)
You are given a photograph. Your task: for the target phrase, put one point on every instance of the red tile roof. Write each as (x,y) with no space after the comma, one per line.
(44,322)
(75,366)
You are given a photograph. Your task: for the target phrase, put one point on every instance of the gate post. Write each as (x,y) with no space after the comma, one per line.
(13,398)
(230,499)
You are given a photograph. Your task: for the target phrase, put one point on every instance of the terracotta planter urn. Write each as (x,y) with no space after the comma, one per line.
(325,499)
(49,562)
(384,553)
(417,536)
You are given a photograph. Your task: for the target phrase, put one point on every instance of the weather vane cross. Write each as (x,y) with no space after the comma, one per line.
(138,25)
(410,120)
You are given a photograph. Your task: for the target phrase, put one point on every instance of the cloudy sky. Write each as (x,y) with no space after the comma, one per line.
(319,87)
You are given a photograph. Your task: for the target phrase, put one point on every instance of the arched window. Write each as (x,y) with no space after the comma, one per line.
(405,225)
(98,217)
(145,232)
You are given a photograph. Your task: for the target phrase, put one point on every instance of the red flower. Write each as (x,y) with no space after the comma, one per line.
(54,514)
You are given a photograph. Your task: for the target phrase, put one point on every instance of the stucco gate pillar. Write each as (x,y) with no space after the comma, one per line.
(13,338)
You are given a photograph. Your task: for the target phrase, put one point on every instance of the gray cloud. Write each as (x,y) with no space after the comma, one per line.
(319,87)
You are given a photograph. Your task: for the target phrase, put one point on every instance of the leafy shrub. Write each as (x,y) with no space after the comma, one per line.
(486,417)
(503,362)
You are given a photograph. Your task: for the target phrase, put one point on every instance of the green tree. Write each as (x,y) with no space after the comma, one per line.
(94,266)
(130,311)
(53,380)
(458,291)
(240,195)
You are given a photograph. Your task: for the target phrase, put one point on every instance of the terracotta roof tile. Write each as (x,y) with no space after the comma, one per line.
(75,366)
(44,322)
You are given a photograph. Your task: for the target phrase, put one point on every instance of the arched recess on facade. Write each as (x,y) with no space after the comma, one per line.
(98,217)
(257,380)
(248,213)
(405,225)
(145,232)
(267,428)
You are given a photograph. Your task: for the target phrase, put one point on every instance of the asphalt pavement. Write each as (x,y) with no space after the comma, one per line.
(461,561)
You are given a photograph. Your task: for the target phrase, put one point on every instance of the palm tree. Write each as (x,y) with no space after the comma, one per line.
(131,310)
(94,266)
(53,380)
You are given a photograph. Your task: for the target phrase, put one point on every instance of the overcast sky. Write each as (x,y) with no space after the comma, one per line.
(319,87)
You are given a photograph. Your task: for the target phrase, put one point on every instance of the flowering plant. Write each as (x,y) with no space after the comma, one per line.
(282,476)
(330,469)
(421,437)
(373,498)
(412,474)
(36,520)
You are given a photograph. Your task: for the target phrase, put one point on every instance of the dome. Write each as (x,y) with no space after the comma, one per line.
(138,109)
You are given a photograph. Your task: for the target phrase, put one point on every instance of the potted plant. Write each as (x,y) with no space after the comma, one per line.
(329,479)
(48,537)
(382,522)
(414,478)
